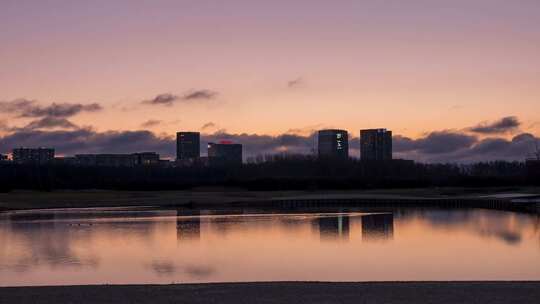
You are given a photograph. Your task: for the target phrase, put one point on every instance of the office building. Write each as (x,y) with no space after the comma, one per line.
(333,144)
(32,155)
(376,144)
(118,160)
(147,159)
(224,153)
(106,160)
(188,145)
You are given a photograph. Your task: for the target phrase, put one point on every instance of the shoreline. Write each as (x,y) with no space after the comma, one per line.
(493,198)
(284,292)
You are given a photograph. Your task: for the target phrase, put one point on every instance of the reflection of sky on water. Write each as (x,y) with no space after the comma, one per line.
(201,245)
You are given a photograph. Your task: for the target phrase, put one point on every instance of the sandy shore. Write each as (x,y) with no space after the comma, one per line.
(283,292)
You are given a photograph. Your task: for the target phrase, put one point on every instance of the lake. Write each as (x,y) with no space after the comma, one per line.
(136,246)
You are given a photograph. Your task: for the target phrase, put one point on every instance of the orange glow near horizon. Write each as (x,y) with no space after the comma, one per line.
(412,68)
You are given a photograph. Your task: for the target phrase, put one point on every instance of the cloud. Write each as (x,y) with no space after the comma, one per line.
(200,94)
(4,126)
(298,82)
(86,140)
(434,143)
(151,123)
(16,106)
(306,130)
(30,108)
(255,144)
(463,148)
(162,99)
(50,123)
(503,125)
(169,99)
(208,125)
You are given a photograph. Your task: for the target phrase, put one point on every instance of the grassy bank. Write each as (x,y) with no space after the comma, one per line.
(283,292)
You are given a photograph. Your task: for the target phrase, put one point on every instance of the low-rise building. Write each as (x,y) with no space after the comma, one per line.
(224,153)
(118,160)
(147,158)
(33,155)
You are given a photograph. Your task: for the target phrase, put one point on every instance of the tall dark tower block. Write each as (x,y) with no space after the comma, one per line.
(188,145)
(376,144)
(334,144)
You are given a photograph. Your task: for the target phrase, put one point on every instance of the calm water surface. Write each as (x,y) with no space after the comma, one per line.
(118,246)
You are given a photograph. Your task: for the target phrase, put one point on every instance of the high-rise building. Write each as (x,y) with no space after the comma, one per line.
(188,145)
(32,155)
(224,153)
(334,144)
(376,144)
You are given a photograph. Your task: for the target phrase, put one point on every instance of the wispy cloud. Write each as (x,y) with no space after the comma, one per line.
(295,83)
(30,108)
(168,99)
(503,125)
(208,125)
(51,123)
(200,94)
(151,123)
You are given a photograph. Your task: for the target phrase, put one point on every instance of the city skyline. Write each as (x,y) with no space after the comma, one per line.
(444,146)
(455,81)
(256,151)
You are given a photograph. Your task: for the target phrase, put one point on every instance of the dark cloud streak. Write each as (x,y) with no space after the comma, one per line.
(151,123)
(30,108)
(503,125)
(208,125)
(200,94)
(298,82)
(168,99)
(50,123)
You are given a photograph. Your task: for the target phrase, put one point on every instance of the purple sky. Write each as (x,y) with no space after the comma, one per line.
(268,68)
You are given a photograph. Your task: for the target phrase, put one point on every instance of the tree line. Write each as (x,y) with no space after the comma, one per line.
(270,173)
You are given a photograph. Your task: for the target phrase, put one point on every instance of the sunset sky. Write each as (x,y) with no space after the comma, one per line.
(267,68)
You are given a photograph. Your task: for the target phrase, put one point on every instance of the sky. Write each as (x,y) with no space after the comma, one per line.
(267,72)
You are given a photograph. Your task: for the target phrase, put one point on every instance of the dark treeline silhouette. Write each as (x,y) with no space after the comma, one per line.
(276,172)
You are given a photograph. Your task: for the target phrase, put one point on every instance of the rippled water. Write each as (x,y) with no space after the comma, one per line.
(97,246)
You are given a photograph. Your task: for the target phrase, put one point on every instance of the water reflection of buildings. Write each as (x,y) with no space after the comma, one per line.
(378,227)
(334,227)
(188,225)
